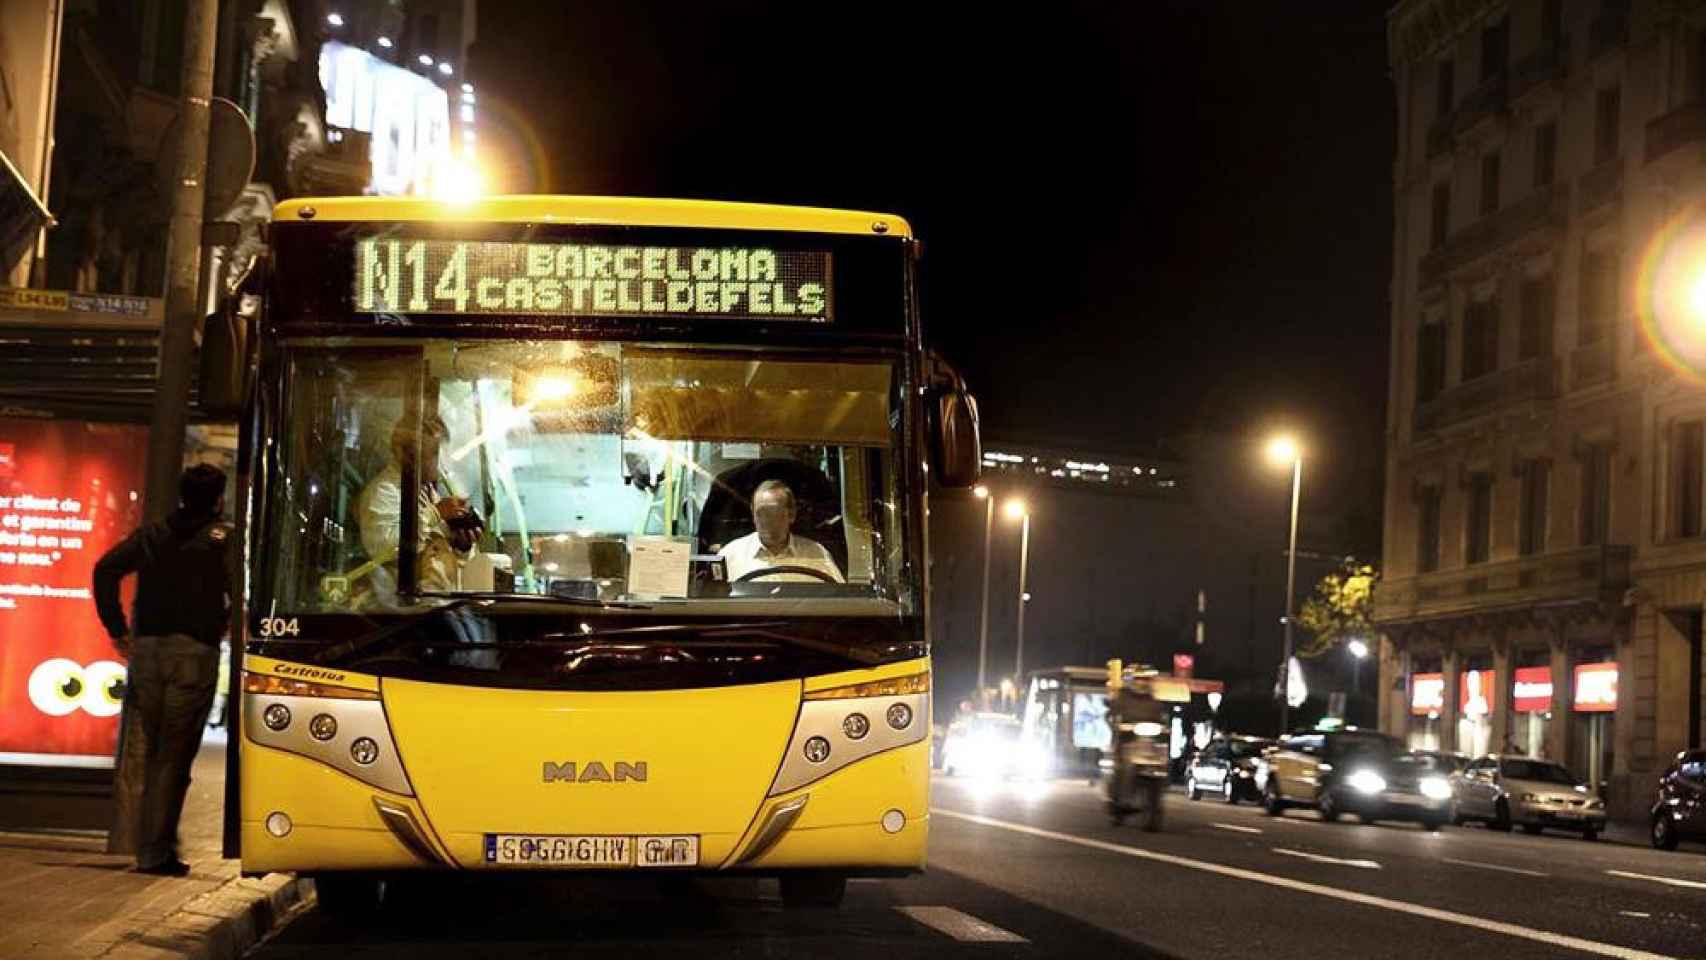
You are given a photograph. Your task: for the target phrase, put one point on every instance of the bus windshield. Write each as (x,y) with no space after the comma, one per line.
(624,473)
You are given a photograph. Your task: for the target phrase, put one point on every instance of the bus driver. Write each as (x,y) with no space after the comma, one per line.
(449,528)
(773,543)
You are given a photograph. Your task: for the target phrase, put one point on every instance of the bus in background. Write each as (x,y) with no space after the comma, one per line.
(583,534)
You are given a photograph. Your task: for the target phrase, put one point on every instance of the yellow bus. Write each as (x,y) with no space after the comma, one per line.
(583,534)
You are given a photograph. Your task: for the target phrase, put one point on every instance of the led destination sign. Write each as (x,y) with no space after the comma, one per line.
(478,277)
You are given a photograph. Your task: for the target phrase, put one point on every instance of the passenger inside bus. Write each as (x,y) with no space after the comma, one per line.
(773,546)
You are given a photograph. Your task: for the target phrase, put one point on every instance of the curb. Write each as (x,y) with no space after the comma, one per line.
(222,924)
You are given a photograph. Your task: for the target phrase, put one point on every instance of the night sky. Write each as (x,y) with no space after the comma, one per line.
(1141,219)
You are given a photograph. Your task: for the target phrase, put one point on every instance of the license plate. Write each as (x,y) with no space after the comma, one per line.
(1567,814)
(569,852)
(1404,799)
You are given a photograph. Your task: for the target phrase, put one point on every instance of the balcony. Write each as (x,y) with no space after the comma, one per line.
(1608,31)
(1527,381)
(1600,186)
(1548,64)
(1484,102)
(1574,576)
(1678,128)
(1545,207)
(1593,363)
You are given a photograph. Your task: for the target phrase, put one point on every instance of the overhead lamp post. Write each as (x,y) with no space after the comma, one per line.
(1359,652)
(982,493)
(1284,450)
(1017,510)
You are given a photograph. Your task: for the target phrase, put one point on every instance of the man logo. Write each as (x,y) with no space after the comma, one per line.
(594,772)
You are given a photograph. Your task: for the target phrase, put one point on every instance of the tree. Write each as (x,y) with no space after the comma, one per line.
(1341,609)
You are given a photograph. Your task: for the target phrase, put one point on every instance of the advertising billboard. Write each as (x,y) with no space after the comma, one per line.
(69,490)
(1533,691)
(1596,687)
(1427,693)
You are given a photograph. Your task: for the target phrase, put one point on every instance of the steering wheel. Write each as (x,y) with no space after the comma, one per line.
(752,575)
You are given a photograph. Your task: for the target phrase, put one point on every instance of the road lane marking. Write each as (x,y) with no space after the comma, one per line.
(1318,858)
(1635,913)
(1235,828)
(1321,890)
(1495,866)
(1669,881)
(961,926)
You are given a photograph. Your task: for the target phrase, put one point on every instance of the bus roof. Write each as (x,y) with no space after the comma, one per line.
(613,211)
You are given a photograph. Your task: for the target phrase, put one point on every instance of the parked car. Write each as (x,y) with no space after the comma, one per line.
(1680,811)
(1359,772)
(1444,763)
(1503,791)
(989,745)
(1227,766)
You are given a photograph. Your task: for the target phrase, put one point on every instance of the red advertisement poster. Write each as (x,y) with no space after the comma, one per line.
(1596,687)
(1533,689)
(68,491)
(1475,693)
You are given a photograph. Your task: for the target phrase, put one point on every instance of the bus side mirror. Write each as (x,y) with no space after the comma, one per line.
(957,447)
(224,385)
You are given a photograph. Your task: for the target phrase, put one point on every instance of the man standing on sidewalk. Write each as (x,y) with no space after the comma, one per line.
(183,589)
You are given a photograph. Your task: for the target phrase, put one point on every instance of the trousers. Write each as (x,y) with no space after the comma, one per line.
(172,680)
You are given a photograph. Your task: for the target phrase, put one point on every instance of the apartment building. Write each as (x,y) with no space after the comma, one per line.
(1545,550)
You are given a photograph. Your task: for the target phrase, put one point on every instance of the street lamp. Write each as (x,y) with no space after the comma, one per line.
(1359,652)
(1017,510)
(982,493)
(1283,450)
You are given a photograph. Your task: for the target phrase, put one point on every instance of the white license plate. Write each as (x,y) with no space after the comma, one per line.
(548,850)
(1567,814)
(1404,799)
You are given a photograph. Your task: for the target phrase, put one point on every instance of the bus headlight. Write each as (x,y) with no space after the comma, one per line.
(855,726)
(900,716)
(1366,781)
(324,726)
(276,717)
(838,726)
(364,751)
(817,749)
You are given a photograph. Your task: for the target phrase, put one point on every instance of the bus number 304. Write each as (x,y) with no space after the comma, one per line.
(280,627)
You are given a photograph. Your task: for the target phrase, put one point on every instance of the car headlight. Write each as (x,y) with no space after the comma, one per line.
(1148,728)
(1596,805)
(1366,781)
(1435,788)
(1529,797)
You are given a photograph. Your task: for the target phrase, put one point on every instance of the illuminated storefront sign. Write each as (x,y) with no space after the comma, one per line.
(1596,687)
(498,278)
(407,115)
(1533,689)
(1475,693)
(1427,693)
(68,492)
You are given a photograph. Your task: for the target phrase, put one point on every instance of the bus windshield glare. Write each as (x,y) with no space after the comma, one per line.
(617,472)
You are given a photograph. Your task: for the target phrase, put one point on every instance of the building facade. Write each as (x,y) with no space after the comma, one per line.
(1545,556)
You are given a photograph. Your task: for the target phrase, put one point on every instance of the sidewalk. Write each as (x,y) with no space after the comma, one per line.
(61,896)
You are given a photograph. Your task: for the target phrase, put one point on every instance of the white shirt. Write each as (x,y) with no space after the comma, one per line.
(438,565)
(746,554)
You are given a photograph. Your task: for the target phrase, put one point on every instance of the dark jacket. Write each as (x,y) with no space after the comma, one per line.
(183,573)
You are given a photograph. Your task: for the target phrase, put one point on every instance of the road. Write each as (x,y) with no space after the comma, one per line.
(1037,870)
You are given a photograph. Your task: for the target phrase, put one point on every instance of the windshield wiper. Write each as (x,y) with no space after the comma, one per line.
(545,598)
(339,652)
(722,634)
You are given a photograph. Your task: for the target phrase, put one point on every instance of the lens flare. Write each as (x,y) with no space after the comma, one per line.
(1671,294)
